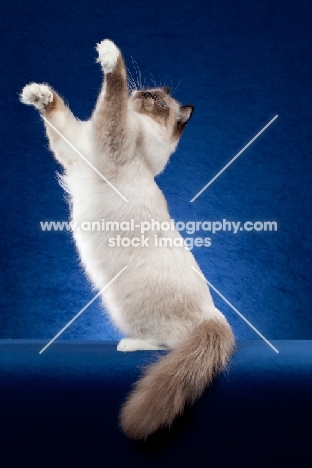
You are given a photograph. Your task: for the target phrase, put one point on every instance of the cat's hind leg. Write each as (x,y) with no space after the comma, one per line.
(53,108)
(138,344)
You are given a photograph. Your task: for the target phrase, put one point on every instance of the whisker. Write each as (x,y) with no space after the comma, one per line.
(131,82)
(138,73)
(172,92)
(153,80)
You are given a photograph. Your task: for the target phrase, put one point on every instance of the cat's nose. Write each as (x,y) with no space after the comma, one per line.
(149,102)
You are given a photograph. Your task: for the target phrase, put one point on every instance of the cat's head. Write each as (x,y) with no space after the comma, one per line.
(157,104)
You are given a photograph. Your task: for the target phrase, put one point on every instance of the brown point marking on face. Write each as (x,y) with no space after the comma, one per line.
(155,103)
(185,115)
(160,106)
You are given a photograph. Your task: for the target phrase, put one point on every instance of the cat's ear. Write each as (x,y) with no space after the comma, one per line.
(166,89)
(185,114)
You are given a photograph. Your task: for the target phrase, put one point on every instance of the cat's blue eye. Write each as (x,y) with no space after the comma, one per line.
(161,103)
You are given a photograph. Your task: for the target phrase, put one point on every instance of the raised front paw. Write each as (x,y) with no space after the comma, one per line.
(38,95)
(108,55)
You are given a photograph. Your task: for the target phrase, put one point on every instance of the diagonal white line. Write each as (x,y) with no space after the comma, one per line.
(83,309)
(235,310)
(84,158)
(233,159)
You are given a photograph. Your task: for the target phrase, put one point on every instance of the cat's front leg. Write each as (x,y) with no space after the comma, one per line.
(109,119)
(53,108)
(37,95)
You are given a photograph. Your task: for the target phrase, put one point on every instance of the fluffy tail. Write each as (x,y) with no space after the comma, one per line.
(177,379)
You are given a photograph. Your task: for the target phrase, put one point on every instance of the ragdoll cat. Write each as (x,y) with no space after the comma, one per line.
(159,301)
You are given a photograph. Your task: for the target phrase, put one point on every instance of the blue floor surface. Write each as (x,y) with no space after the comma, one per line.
(62,406)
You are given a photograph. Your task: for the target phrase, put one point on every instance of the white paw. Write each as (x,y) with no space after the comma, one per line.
(108,55)
(137,344)
(126,344)
(38,95)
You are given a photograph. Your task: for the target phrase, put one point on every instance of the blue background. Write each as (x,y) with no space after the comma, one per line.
(239,63)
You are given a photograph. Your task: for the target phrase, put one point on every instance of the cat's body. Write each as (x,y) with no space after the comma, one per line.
(159,301)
